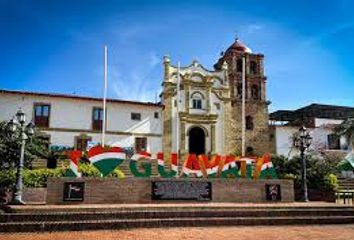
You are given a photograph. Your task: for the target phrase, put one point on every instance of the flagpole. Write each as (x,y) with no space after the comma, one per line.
(177,107)
(243,104)
(104,96)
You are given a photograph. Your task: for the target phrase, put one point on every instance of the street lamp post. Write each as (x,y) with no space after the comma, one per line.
(303,142)
(25,131)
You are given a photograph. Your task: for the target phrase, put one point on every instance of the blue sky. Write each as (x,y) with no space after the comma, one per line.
(57,46)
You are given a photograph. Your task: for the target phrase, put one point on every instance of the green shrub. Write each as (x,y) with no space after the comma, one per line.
(7,178)
(331,181)
(38,177)
(320,170)
(87,170)
(31,178)
(344,166)
(289,176)
(117,173)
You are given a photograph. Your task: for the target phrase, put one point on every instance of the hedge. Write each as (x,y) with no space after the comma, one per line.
(38,177)
(31,178)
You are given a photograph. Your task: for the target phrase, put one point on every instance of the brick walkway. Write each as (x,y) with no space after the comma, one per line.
(316,232)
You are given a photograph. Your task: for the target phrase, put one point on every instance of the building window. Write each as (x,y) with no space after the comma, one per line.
(239,90)
(255,92)
(333,141)
(97,118)
(197,99)
(197,103)
(249,151)
(253,67)
(217,106)
(249,123)
(135,116)
(239,65)
(41,115)
(156,115)
(82,142)
(140,144)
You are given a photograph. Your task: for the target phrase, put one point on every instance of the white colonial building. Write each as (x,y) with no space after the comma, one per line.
(75,121)
(320,121)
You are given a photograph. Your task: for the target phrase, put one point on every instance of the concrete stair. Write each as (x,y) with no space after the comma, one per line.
(84,219)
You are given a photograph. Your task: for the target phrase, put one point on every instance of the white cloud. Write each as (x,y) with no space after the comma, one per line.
(330,32)
(136,82)
(137,31)
(154,59)
(253,28)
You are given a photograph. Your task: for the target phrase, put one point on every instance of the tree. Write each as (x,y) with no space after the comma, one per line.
(318,169)
(346,129)
(10,144)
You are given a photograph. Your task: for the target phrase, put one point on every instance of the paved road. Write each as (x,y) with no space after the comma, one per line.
(314,232)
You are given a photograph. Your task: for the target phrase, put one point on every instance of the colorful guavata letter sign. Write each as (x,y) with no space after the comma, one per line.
(108,159)
(161,166)
(74,157)
(145,165)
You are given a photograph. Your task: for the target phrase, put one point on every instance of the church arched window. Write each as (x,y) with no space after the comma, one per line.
(239,65)
(253,67)
(197,100)
(255,92)
(249,123)
(239,90)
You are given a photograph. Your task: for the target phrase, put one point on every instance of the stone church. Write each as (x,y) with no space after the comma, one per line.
(209,109)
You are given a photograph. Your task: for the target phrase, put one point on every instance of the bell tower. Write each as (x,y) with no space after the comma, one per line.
(256,114)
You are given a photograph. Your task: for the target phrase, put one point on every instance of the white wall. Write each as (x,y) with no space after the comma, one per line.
(283,136)
(320,122)
(283,139)
(69,117)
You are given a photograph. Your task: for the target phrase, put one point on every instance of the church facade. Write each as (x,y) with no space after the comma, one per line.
(209,106)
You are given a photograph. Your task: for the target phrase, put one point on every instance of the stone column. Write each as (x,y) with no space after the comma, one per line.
(212,138)
(183,141)
(263,90)
(208,100)
(186,97)
(167,128)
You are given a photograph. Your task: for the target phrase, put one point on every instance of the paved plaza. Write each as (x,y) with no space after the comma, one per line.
(314,232)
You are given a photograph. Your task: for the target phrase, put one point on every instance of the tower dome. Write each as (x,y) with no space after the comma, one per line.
(239,47)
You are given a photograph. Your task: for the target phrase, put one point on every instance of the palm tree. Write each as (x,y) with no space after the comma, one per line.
(346,129)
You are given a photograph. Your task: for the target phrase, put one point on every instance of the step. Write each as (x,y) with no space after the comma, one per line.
(169,222)
(168,207)
(150,214)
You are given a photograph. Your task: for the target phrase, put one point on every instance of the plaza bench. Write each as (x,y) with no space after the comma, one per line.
(346,195)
